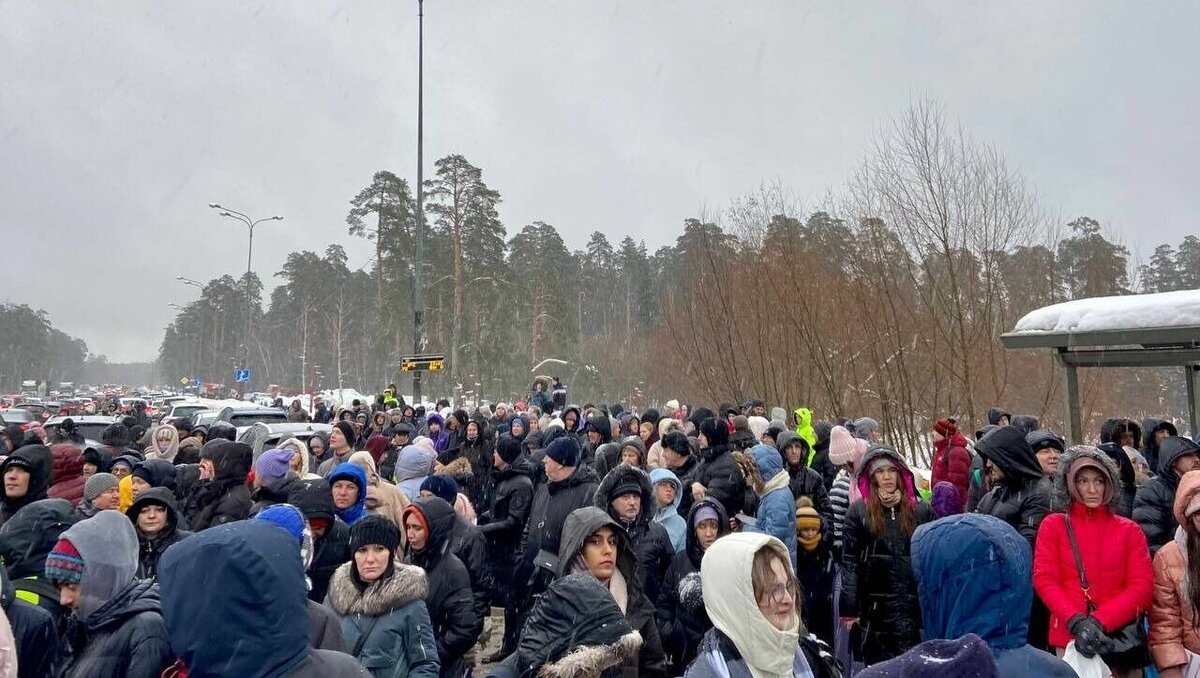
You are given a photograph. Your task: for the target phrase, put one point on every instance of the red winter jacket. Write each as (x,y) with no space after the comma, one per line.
(1115,558)
(67,477)
(952,463)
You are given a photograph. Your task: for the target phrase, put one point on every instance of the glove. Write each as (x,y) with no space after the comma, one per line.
(1088,633)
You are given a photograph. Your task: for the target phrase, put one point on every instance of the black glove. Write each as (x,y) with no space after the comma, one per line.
(1088,633)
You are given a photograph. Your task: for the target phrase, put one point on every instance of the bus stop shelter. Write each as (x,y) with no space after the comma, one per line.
(1150,330)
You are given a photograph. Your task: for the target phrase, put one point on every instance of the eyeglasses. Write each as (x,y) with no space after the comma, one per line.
(779,593)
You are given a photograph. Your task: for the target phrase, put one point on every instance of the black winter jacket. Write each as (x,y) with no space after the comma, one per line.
(25,541)
(314,499)
(682,620)
(126,638)
(552,503)
(503,523)
(151,549)
(1153,507)
(719,473)
(40,463)
(806,482)
(651,543)
(34,631)
(226,497)
(479,453)
(1150,449)
(471,548)
(1020,499)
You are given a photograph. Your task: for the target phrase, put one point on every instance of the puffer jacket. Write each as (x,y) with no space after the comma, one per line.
(151,549)
(41,463)
(314,500)
(1150,449)
(1152,506)
(25,541)
(776,511)
(952,463)
(552,503)
(807,482)
(681,617)
(1020,498)
(503,523)
(226,497)
(1173,628)
(126,638)
(401,641)
(33,630)
(668,516)
(471,548)
(650,540)
(878,585)
(719,658)
(1114,555)
(478,453)
(67,477)
(722,478)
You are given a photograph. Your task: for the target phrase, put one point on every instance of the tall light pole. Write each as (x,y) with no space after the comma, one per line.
(419,244)
(251,223)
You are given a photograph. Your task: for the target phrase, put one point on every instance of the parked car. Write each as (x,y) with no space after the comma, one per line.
(243,417)
(181,409)
(91,427)
(15,416)
(262,436)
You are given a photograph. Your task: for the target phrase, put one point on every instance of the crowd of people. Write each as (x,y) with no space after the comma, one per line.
(674,542)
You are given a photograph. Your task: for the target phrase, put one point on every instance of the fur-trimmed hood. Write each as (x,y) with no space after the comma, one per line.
(592,660)
(406,584)
(1062,495)
(460,470)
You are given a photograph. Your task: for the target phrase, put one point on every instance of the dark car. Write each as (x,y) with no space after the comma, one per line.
(241,417)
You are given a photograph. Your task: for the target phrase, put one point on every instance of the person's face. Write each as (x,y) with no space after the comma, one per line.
(498,462)
(569,421)
(501,413)
(996,473)
(1126,439)
(886,479)
(758,411)
(152,519)
(630,456)
(533,423)
(1048,458)
(600,553)
(809,533)
(795,455)
(371,561)
(69,596)
(318,531)
(139,486)
(207,470)
(400,439)
(472,431)
(672,458)
(706,533)
(627,506)
(645,431)
(702,440)
(1196,521)
(1159,435)
(414,530)
(16,482)
(163,440)
(396,418)
(108,499)
(345,494)
(875,436)
(554,470)
(316,446)
(1186,462)
(539,387)
(776,602)
(337,440)
(664,493)
(593,437)
(434,427)
(518,428)
(1002,420)
(1090,484)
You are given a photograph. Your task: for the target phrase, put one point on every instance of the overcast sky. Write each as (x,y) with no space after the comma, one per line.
(119,122)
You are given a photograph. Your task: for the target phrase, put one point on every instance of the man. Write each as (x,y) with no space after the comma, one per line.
(466,542)
(804,481)
(718,475)
(601,451)
(867,429)
(321,413)
(1153,506)
(26,475)
(100,493)
(331,537)
(668,492)
(33,630)
(502,524)
(1018,495)
(1154,431)
(628,498)
(678,457)
(401,437)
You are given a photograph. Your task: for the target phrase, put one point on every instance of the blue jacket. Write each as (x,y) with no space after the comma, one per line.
(348,471)
(668,516)
(401,641)
(974,575)
(776,514)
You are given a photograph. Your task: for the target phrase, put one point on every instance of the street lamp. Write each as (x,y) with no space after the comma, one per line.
(189,281)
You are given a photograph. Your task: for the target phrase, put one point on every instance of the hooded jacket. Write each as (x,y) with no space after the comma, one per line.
(33,629)
(225,498)
(649,539)
(25,542)
(682,621)
(804,429)
(172,450)
(1111,432)
(314,500)
(387,499)
(67,476)
(994,415)
(553,501)
(412,467)
(125,634)
(1150,448)
(40,464)
(722,478)
(401,640)
(1113,550)
(1020,498)
(952,463)
(1173,628)
(1152,506)
(223,634)
(352,472)
(807,482)
(668,516)
(973,575)
(639,611)
(150,549)
(603,455)
(776,513)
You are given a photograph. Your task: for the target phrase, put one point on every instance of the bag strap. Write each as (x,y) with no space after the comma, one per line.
(1083,582)
(362,637)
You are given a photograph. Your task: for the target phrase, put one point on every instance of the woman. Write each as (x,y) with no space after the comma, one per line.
(879,593)
(318,448)
(225,497)
(302,461)
(753,600)
(633,452)
(380,605)
(593,543)
(158,524)
(1116,560)
(383,498)
(477,450)
(1174,634)
(164,443)
(682,621)
(437,432)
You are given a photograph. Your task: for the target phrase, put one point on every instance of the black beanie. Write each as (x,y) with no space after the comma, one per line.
(716,430)
(677,442)
(347,432)
(508,448)
(564,450)
(373,529)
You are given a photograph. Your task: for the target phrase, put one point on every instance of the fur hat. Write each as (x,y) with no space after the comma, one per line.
(508,448)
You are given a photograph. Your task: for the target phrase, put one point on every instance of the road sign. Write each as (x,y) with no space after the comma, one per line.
(430,362)
(241,375)
(184,381)
(197,382)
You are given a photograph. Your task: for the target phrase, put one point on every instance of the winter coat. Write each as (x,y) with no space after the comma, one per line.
(815,571)
(324,631)
(668,516)
(719,658)
(271,492)
(654,456)
(639,611)
(401,641)
(456,625)
(839,504)
(1020,498)
(877,578)
(951,558)
(952,463)
(1173,627)
(24,543)
(776,512)
(67,476)
(150,549)
(314,500)
(41,463)
(681,617)
(226,497)
(1150,449)
(478,453)
(384,498)
(1114,556)
(807,482)
(552,503)
(158,472)
(650,541)
(1111,432)
(722,478)
(471,548)
(354,473)
(33,629)
(126,638)
(1152,506)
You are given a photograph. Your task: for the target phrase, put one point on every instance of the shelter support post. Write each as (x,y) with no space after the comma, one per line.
(1191,373)
(1073,421)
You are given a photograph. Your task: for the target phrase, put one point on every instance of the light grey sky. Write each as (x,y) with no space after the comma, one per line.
(119,122)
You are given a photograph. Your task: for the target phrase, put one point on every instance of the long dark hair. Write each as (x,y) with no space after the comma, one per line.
(1193,580)
(875,508)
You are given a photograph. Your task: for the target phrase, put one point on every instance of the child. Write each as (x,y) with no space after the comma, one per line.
(815,570)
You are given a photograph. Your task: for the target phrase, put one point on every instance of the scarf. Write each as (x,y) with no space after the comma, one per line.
(616,584)
(809,544)
(780,481)
(890,499)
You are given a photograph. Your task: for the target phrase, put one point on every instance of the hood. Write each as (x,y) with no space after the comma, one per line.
(881,451)
(305,455)
(637,444)
(729,594)
(768,460)
(662,475)
(1007,448)
(109,548)
(233,601)
(583,523)
(405,584)
(313,497)
(1152,425)
(172,448)
(136,597)
(157,495)
(161,472)
(366,462)
(602,425)
(973,575)
(440,518)
(624,474)
(348,471)
(1171,448)
(579,420)
(412,462)
(67,462)
(1062,495)
(40,464)
(994,415)
(693,546)
(1025,422)
(27,538)
(1189,487)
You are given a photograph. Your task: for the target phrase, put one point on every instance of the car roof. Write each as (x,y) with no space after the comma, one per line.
(83,419)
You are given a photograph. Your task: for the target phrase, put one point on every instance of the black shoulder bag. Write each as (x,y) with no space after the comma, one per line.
(1127,647)
(362,637)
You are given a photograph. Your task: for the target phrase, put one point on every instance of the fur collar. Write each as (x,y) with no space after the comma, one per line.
(405,585)
(592,660)
(459,469)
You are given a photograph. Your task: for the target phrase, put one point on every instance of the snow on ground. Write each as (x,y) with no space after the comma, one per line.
(1135,311)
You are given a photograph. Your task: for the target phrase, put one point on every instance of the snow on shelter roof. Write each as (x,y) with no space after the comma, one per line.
(1166,317)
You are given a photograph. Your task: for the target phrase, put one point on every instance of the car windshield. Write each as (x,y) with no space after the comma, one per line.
(266,417)
(186,410)
(16,416)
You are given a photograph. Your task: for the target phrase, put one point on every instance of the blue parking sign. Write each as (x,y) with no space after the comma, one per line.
(241,375)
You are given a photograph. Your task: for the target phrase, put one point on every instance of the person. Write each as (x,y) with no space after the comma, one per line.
(957,657)
(846,452)
(1018,495)
(973,576)
(868,429)
(775,513)
(477,449)
(680,614)
(1174,639)
(224,497)
(273,478)
(99,494)
(24,542)
(348,484)
(66,477)
(380,604)
(164,443)
(152,473)
(805,481)
(677,457)
(879,594)
(1152,506)
(413,465)
(1154,430)
(627,496)
(318,450)
(383,498)
(26,475)
(1049,448)
(654,451)
(816,567)
(668,492)
(718,475)
(301,461)
(33,629)
(466,542)
(594,543)
(159,525)
(1115,561)
(218,589)
(752,597)
(1117,434)
(341,446)
(296,413)
(123,634)
(331,536)
(951,461)
(429,524)
(539,398)
(600,451)
(502,524)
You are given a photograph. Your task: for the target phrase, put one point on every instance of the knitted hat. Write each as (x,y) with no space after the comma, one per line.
(141,471)
(807,517)
(274,463)
(945,427)
(865,426)
(97,484)
(291,519)
(508,448)
(706,513)
(947,500)
(441,485)
(373,529)
(64,565)
(564,450)
(842,448)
